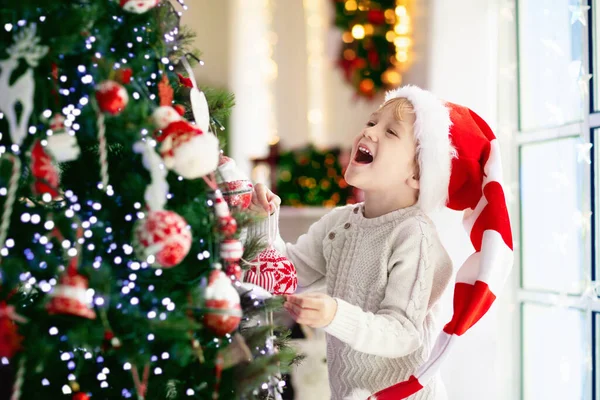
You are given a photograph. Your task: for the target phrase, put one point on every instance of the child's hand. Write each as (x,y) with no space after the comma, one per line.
(263,200)
(313,309)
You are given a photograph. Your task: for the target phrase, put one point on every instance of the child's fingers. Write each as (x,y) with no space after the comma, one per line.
(306,302)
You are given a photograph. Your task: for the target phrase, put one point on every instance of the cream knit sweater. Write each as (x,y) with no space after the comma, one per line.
(386,274)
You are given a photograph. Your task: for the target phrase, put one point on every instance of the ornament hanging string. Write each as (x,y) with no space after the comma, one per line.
(13,185)
(141,386)
(101,126)
(19,379)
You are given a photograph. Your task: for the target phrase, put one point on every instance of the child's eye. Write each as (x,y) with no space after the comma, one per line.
(370,123)
(392,132)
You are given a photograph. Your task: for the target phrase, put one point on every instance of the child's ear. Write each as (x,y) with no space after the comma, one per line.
(413,182)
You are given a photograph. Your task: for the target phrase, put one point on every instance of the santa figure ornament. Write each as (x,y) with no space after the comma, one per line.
(460,166)
(185,148)
(111,97)
(271,270)
(236,187)
(138,6)
(62,145)
(45,173)
(222,310)
(162,238)
(70,296)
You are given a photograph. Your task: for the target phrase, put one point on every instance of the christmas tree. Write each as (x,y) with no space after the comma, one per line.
(113,229)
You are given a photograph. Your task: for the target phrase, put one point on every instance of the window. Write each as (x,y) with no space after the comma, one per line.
(559,125)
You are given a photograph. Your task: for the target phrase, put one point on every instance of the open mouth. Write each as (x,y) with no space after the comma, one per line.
(363,155)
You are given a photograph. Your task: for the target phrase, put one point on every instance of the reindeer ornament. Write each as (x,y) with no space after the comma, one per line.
(26,46)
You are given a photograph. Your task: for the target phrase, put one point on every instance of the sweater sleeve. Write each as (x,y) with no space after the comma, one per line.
(307,253)
(396,329)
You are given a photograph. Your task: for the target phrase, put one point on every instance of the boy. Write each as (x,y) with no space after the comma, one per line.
(382,261)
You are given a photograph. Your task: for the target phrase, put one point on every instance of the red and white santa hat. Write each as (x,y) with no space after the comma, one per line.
(459,160)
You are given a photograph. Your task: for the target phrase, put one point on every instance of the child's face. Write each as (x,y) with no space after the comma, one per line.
(383,154)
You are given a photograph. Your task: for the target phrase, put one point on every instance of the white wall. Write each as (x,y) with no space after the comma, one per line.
(210,20)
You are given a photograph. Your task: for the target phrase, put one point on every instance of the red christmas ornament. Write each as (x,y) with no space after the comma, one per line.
(235,186)
(273,272)
(233,270)
(223,312)
(138,6)
(376,17)
(232,250)
(227,225)
(124,75)
(81,396)
(373,58)
(70,297)
(180,109)
(10,340)
(44,172)
(164,236)
(185,81)
(111,97)
(110,341)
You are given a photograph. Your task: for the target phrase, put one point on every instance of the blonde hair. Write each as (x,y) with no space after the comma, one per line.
(402,106)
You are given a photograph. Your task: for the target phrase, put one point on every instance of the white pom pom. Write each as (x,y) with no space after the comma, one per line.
(360,394)
(197,157)
(63,147)
(164,115)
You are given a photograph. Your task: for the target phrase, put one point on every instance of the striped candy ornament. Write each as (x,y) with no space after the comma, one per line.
(475,187)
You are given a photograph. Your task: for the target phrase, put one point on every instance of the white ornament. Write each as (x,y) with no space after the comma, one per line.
(63,147)
(198,157)
(198,100)
(156,192)
(138,6)
(26,45)
(200,109)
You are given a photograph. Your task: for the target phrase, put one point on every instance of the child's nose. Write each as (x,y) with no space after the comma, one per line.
(370,134)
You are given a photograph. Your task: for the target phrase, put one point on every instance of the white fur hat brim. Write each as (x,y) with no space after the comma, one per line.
(434,146)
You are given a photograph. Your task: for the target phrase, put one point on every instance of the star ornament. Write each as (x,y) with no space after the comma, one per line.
(579,13)
(583,153)
(584,83)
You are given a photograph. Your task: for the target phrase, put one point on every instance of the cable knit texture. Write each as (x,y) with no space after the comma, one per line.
(386,274)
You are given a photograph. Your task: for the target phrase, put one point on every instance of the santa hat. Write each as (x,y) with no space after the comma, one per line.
(459,157)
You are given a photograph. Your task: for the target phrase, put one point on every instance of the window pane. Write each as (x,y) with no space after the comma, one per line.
(551,220)
(550,60)
(556,353)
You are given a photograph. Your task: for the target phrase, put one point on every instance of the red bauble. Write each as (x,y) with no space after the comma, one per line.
(234,270)
(273,272)
(81,396)
(376,17)
(232,250)
(70,297)
(111,97)
(44,171)
(180,109)
(227,225)
(165,236)
(223,312)
(235,186)
(138,6)
(10,340)
(124,75)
